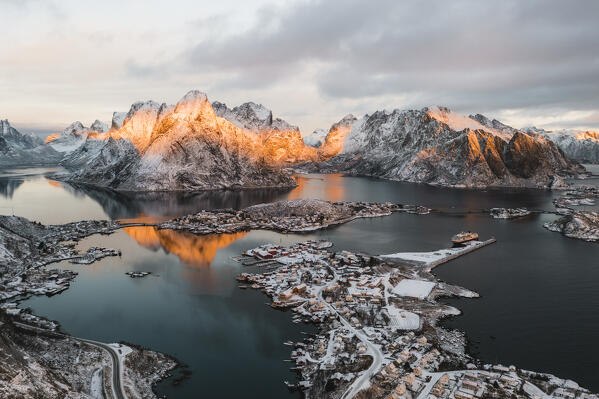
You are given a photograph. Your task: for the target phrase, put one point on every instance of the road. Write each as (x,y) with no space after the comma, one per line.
(373,350)
(117,386)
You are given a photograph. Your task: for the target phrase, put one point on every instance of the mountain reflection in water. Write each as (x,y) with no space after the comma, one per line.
(120,205)
(193,250)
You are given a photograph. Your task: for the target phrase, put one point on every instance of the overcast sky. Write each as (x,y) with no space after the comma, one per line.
(311,62)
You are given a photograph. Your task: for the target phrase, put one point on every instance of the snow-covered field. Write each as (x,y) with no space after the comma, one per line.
(414,288)
(402,319)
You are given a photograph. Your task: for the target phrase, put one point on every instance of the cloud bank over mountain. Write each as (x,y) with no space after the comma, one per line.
(527,63)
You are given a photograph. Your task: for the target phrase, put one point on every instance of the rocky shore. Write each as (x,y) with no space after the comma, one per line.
(379,336)
(509,213)
(289,216)
(577,223)
(38,361)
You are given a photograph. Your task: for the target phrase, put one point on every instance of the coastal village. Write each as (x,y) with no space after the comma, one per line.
(377,315)
(378,332)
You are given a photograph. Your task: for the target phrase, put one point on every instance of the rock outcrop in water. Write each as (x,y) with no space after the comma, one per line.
(182,147)
(438,146)
(582,225)
(17,149)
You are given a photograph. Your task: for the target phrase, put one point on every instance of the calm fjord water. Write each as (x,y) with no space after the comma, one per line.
(538,305)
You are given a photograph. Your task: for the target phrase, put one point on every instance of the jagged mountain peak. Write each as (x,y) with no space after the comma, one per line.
(335,138)
(74,128)
(15,139)
(117,119)
(185,146)
(438,146)
(98,126)
(252,116)
(493,124)
(347,120)
(580,145)
(5,127)
(454,120)
(192,105)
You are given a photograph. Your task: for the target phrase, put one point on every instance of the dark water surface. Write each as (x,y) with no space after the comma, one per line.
(538,307)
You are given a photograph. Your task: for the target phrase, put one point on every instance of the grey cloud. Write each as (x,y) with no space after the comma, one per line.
(469,54)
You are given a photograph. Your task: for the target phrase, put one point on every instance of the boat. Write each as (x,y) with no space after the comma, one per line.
(463,237)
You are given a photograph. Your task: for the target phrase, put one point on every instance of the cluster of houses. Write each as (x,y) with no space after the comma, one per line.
(361,302)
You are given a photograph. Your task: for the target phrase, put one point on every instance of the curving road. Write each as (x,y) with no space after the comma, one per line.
(373,350)
(117,387)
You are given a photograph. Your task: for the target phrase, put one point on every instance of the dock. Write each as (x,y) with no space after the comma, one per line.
(465,251)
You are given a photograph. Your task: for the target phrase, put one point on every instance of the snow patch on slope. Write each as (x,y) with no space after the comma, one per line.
(316,138)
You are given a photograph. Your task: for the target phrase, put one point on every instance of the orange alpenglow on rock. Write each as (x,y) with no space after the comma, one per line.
(50,138)
(184,147)
(333,144)
(193,250)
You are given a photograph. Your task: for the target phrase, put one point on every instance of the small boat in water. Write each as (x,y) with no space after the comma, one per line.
(463,237)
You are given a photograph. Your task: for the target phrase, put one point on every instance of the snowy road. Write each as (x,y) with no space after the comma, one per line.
(373,350)
(117,389)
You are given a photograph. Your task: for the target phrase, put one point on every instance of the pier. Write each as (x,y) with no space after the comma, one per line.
(466,250)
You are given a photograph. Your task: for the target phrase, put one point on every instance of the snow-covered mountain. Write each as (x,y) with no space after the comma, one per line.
(17,149)
(437,146)
(330,143)
(15,138)
(197,145)
(582,146)
(74,135)
(283,143)
(181,147)
(316,138)
(252,116)
(335,139)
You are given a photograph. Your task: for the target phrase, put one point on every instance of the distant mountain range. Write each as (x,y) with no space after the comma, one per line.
(198,145)
(582,146)
(18,149)
(437,146)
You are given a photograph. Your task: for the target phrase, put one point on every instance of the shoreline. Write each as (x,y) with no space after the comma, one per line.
(115,226)
(396,355)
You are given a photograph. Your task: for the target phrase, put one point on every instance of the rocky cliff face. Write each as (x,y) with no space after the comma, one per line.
(196,145)
(17,149)
(283,143)
(582,146)
(437,146)
(181,147)
(335,139)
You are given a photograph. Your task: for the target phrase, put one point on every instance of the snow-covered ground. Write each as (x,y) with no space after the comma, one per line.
(414,288)
(95,390)
(402,319)
(431,257)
